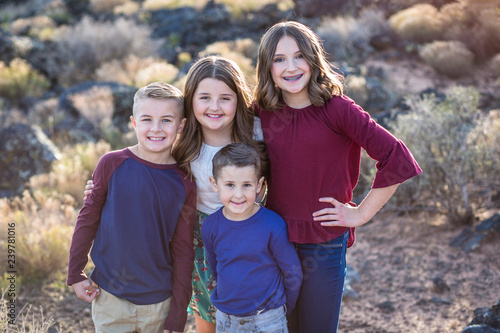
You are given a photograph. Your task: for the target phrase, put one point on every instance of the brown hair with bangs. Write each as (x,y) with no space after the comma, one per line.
(324,83)
(214,67)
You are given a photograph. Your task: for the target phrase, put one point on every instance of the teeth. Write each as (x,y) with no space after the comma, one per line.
(293,78)
(155,139)
(214,115)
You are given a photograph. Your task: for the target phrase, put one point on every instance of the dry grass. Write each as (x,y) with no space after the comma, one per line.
(43,228)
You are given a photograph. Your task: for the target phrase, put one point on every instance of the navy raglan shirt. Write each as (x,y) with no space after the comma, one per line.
(140,218)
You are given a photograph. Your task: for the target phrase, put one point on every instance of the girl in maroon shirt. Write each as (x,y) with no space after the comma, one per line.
(314,135)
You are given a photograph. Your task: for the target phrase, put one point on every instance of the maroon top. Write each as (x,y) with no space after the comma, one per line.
(315,152)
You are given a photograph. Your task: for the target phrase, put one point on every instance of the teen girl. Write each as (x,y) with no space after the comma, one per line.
(217,104)
(314,135)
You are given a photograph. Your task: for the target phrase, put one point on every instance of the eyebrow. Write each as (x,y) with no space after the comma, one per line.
(165,116)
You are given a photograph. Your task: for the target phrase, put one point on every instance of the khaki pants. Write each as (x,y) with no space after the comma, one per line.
(112,314)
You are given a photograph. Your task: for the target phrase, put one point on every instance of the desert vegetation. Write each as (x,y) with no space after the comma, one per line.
(50,49)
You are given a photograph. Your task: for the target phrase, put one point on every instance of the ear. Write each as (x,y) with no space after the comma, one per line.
(181,125)
(214,184)
(259,185)
(132,120)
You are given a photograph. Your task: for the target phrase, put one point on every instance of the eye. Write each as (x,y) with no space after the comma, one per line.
(230,185)
(278,59)
(247,185)
(146,119)
(167,120)
(300,56)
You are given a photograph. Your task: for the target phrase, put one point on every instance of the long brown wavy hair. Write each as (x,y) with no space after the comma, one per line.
(189,144)
(324,83)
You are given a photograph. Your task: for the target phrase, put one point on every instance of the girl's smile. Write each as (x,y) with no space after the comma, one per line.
(214,106)
(291,73)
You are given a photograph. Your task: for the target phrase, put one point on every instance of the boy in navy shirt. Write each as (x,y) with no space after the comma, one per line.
(257,269)
(139,222)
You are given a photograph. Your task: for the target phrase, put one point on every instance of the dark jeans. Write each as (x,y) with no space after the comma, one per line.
(318,306)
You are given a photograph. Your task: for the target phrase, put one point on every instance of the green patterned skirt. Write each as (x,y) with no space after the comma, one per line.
(203,280)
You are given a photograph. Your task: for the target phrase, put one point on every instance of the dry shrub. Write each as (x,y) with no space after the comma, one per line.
(348,38)
(105,6)
(128,8)
(19,79)
(241,51)
(170,4)
(357,89)
(486,32)
(137,71)
(70,174)
(451,58)
(238,7)
(87,45)
(495,64)
(96,105)
(419,23)
(450,140)
(44,226)
(32,25)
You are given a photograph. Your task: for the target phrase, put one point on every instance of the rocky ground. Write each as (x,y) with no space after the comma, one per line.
(411,280)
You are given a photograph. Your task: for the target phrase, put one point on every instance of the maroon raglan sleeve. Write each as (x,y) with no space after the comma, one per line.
(182,251)
(90,215)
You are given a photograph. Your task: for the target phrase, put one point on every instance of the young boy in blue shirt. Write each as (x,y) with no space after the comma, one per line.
(139,222)
(257,269)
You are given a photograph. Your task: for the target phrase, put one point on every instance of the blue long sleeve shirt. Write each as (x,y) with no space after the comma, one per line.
(255,265)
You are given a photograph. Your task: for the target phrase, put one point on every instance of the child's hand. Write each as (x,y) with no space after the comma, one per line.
(88,189)
(86,291)
(341,215)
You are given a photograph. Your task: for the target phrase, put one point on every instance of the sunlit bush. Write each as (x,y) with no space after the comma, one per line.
(495,64)
(136,71)
(348,38)
(87,45)
(32,26)
(451,58)
(241,51)
(43,226)
(70,174)
(106,6)
(451,141)
(128,8)
(19,79)
(419,23)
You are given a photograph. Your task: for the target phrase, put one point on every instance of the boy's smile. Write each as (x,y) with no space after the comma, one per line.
(157,123)
(238,187)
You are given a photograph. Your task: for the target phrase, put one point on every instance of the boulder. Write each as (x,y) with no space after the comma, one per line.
(24,151)
(486,320)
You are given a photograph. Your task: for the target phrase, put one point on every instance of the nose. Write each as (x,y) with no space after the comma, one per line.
(291,66)
(214,105)
(155,126)
(238,193)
